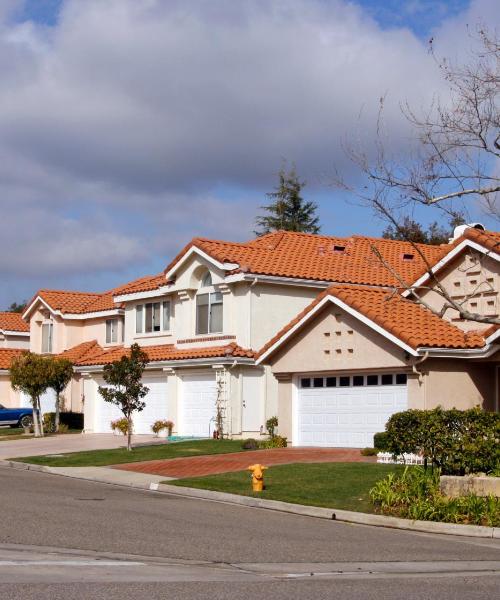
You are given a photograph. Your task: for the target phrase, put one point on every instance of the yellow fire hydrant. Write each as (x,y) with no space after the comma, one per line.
(257,477)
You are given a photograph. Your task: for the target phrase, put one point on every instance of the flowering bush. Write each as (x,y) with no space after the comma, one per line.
(158,426)
(120,425)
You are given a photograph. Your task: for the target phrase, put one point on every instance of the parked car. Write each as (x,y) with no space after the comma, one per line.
(16,417)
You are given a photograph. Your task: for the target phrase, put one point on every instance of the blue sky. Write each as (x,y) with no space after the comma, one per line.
(128,127)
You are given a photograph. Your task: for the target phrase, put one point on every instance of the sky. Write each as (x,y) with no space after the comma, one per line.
(127,127)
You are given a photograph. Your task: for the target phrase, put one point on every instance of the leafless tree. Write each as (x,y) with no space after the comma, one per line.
(455,157)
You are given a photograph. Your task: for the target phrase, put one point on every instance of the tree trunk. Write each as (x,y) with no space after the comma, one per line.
(56,418)
(129,433)
(40,418)
(36,420)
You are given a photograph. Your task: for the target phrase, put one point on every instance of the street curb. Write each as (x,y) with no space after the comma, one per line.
(334,514)
(331,514)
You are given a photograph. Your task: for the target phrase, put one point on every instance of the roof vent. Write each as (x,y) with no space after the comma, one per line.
(408,256)
(459,231)
(339,249)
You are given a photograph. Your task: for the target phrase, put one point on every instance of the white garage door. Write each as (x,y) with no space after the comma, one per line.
(155,409)
(199,394)
(346,411)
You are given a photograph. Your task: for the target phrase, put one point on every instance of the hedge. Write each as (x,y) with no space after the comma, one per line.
(456,441)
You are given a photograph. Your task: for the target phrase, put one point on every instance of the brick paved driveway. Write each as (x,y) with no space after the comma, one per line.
(223,463)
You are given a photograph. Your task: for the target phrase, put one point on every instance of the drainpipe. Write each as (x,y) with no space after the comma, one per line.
(419,374)
(419,362)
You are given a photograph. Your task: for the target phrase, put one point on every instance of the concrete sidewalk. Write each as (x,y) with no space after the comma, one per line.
(71,442)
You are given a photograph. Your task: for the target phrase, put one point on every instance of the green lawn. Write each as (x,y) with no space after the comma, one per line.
(8,431)
(7,434)
(99,458)
(336,485)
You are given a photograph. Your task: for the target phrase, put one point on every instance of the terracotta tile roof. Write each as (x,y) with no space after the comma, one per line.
(489,239)
(7,355)
(72,302)
(11,321)
(321,258)
(83,351)
(143,284)
(166,352)
(410,322)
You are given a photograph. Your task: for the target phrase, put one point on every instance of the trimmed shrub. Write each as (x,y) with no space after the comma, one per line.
(369,452)
(271,425)
(49,422)
(458,442)
(278,441)
(250,444)
(415,494)
(72,420)
(380,441)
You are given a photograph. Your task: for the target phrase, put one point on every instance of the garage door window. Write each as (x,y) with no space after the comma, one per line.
(354,380)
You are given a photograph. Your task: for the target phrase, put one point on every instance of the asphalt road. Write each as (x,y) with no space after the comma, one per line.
(66,538)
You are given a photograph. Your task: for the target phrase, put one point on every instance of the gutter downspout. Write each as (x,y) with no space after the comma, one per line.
(419,374)
(419,362)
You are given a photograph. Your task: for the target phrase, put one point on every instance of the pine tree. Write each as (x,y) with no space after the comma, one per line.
(288,210)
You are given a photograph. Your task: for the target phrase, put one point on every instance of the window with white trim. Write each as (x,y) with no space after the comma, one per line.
(209,308)
(47,337)
(152,317)
(111,331)
(354,380)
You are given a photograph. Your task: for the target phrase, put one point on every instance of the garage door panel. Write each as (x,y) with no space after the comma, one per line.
(156,408)
(348,416)
(199,394)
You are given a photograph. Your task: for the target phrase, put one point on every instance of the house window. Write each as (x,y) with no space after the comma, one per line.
(152,317)
(166,316)
(139,316)
(209,313)
(209,308)
(111,331)
(47,336)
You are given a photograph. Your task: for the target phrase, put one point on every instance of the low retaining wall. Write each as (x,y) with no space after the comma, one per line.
(453,486)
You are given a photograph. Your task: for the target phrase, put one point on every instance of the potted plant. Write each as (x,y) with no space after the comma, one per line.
(162,428)
(120,426)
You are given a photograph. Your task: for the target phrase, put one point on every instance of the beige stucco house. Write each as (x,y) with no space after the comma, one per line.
(14,338)
(317,330)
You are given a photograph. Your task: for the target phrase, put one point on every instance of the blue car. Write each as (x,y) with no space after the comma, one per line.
(16,417)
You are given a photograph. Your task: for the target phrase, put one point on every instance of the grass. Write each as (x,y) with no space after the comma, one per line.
(100,458)
(8,434)
(332,485)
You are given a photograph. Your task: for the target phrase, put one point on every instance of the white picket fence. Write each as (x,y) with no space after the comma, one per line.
(407,459)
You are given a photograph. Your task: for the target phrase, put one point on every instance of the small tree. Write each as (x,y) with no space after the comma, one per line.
(288,210)
(17,308)
(61,373)
(30,374)
(126,390)
(409,230)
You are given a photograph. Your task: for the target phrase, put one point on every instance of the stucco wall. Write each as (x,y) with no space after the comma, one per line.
(336,341)
(471,275)
(272,307)
(14,341)
(8,397)
(455,384)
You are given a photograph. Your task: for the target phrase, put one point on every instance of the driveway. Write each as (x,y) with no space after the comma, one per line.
(71,442)
(197,466)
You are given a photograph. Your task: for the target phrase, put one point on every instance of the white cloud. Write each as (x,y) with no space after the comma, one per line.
(124,118)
